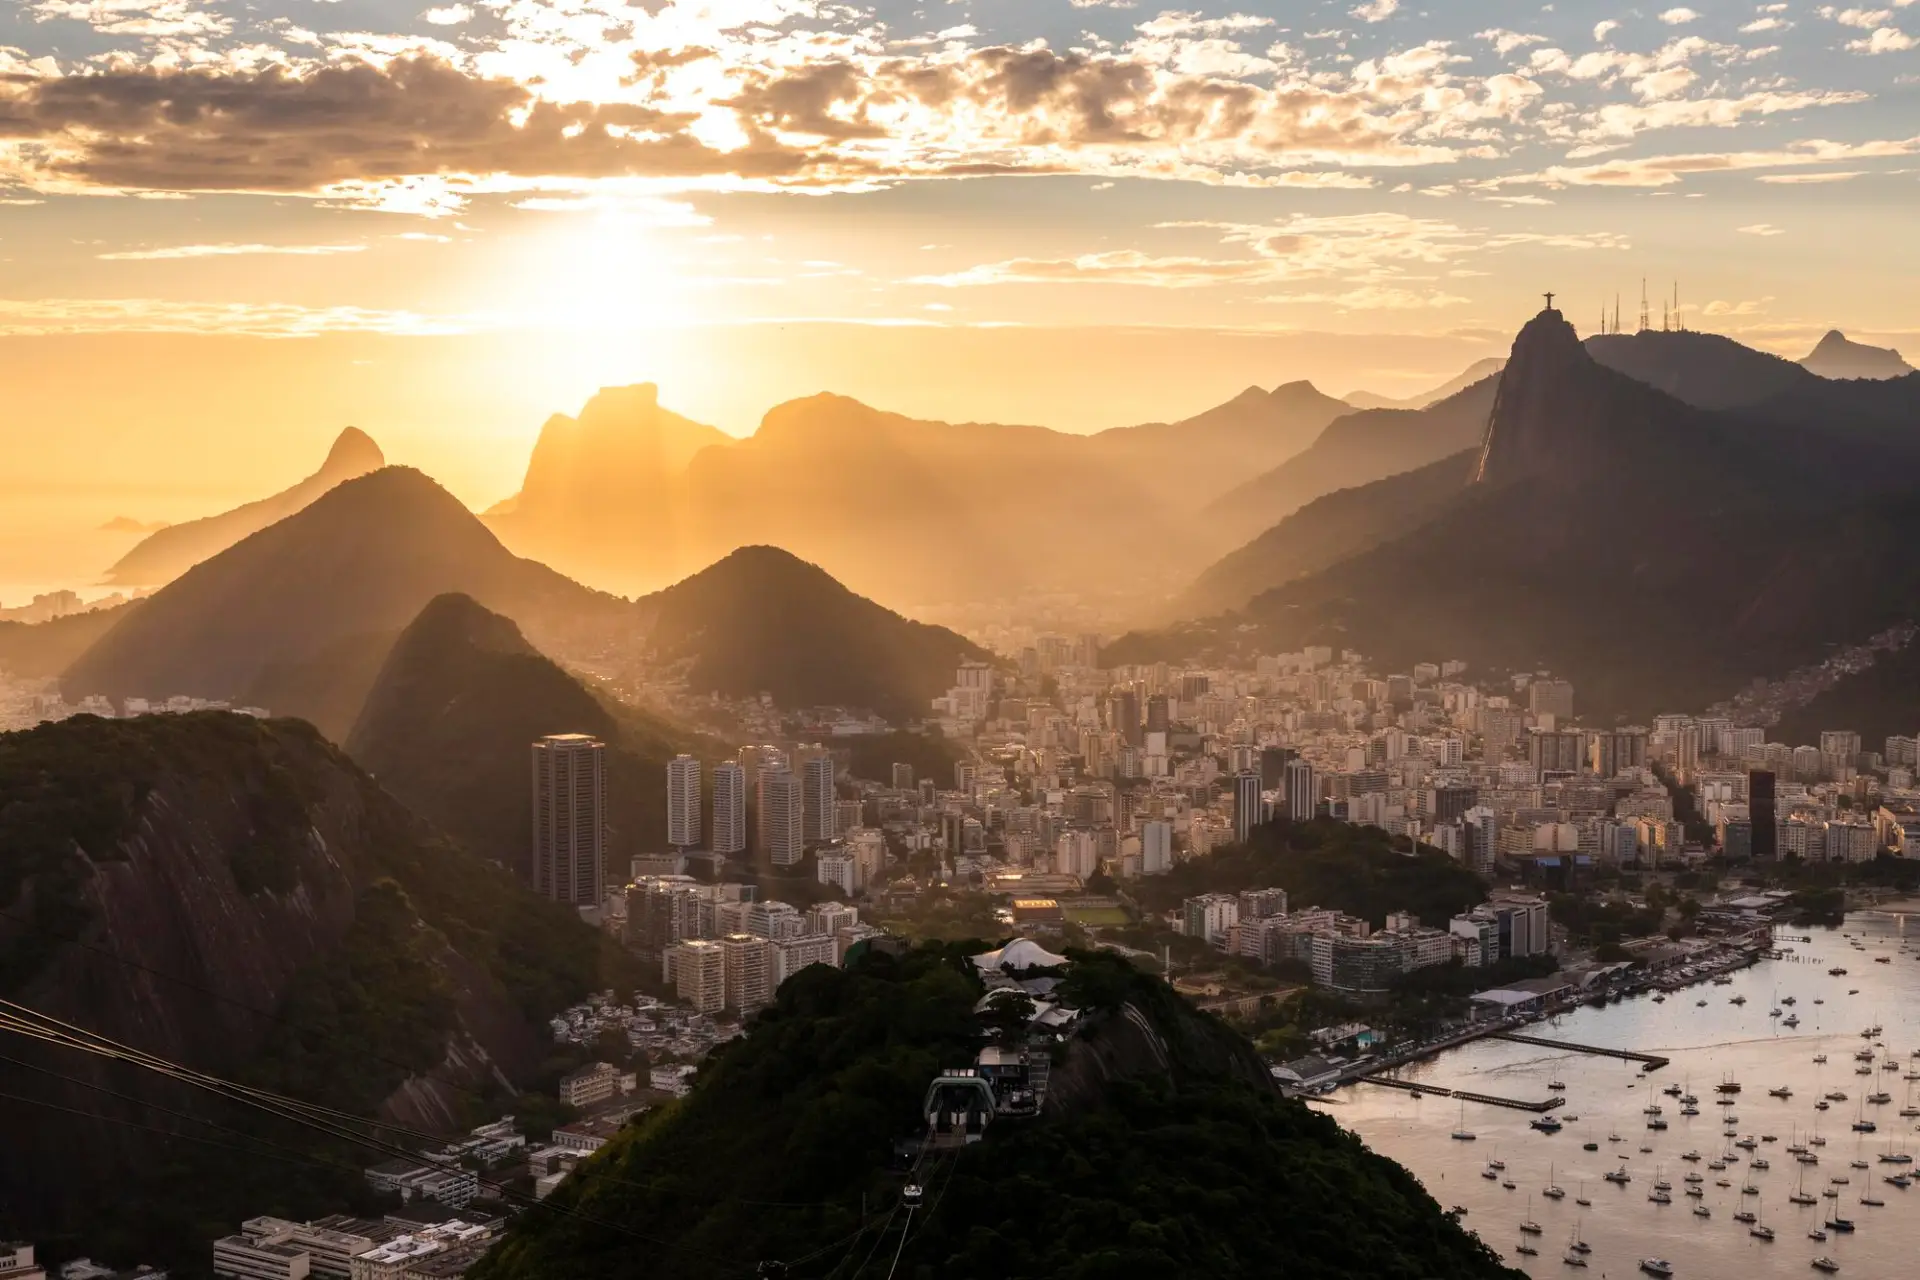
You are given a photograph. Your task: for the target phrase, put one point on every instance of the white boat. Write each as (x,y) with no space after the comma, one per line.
(1463,1134)
(1824,1263)
(1656,1266)
(1527,1225)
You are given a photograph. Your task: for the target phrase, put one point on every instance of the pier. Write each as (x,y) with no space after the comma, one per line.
(1492,1100)
(1651,1061)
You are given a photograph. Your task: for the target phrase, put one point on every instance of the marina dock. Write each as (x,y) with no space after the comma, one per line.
(1651,1061)
(1492,1100)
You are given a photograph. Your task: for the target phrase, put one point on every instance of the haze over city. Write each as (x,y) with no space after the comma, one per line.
(965,640)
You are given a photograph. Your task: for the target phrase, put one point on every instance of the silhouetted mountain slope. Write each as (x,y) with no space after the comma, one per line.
(1355,450)
(632,496)
(762,620)
(1705,370)
(235,895)
(604,495)
(1632,542)
(1161,1151)
(39,650)
(1256,428)
(1326,531)
(1836,356)
(1478,371)
(447,727)
(172,551)
(327,687)
(361,560)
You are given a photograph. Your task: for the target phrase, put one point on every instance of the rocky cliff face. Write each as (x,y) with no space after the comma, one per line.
(236,896)
(1153,1035)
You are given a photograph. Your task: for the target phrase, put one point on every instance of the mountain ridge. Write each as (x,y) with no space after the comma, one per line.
(166,554)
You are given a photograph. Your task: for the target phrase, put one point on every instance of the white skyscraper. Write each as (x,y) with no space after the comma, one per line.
(729,808)
(683,802)
(783,817)
(569,817)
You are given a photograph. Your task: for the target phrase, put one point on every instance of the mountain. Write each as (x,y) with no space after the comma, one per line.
(1478,371)
(1621,537)
(173,550)
(1356,449)
(235,895)
(1258,428)
(908,510)
(1706,370)
(1327,531)
(362,560)
(604,494)
(763,620)
(1835,356)
(40,650)
(447,725)
(1160,1151)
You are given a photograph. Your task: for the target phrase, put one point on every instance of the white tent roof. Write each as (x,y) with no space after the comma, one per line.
(1021,953)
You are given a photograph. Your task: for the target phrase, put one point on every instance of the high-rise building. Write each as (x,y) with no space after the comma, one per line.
(1273,764)
(1126,716)
(697,969)
(902,776)
(1156,847)
(1159,719)
(782,817)
(1764,840)
(747,969)
(817,796)
(1303,791)
(769,761)
(1555,750)
(683,802)
(1247,805)
(729,808)
(1551,698)
(570,818)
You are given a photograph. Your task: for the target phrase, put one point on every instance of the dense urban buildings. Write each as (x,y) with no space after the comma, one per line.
(683,802)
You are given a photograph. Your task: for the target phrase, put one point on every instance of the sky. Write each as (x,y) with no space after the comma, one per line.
(229,227)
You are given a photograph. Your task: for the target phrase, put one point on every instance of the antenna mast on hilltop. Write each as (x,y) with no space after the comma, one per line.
(1678,323)
(1646,320)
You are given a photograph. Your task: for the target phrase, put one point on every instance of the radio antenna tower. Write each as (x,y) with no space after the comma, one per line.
(1646,318)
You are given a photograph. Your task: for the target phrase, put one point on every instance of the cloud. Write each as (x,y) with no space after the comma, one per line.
(1759,25)
(277,131)
(1840,175)
(1119,266)
(451,15)
(1761,229)
(1679,17)
(136,17)
(1393,254)
(231,251)
(1371,298)
(261,320)
(1376,10)
(1885,40)
(1663,171)
(1603,29)
(1505,41)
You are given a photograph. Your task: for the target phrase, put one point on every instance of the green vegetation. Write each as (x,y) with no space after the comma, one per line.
(764,621)
(1358,870)
(346,941)
(448,724)
(873,755)
(1149,1161)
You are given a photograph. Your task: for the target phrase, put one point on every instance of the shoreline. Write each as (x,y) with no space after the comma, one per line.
(1893,907)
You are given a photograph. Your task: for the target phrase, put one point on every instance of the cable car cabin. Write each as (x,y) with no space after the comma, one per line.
(959,1106)
(911,1195)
